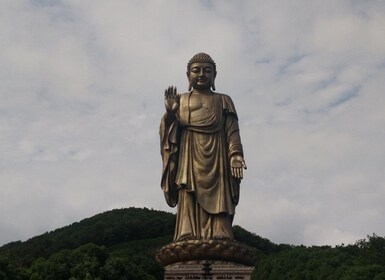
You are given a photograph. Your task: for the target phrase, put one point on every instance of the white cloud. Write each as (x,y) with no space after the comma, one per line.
(81,87)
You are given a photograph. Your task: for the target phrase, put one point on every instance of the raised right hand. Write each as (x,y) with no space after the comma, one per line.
(171,99)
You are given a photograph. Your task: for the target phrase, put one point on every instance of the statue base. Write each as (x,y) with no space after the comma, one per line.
(207,270)
(207,259)
(212,249)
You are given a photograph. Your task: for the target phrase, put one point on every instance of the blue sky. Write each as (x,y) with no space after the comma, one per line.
(81,90)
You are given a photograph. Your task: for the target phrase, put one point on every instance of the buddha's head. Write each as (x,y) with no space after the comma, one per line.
(201,72)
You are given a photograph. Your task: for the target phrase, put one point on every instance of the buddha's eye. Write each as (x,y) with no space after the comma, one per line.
(208,70)
(195,70)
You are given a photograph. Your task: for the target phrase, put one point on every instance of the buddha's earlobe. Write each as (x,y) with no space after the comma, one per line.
(189,82)
(213,84)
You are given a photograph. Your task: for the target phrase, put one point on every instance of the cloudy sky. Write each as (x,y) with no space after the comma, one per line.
(81,97)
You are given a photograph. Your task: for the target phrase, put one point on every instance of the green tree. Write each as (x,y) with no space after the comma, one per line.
(84,262)
(9,272)
(123,269)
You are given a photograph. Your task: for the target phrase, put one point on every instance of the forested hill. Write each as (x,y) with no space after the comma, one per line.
(120,244)
(106,229)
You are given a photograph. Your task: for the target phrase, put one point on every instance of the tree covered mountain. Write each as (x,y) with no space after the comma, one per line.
(120,244)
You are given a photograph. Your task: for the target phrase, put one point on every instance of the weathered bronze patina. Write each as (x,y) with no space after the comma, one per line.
(202,156)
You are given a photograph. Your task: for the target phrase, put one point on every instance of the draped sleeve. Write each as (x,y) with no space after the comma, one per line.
(234,145)
(169,146)
(228,106)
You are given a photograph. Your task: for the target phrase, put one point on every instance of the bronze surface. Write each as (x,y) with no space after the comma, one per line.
(202,164)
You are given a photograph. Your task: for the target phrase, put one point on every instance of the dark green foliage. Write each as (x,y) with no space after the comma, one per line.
(362,261)
(141,252)
(6,271)
(121,244)
(106,229)
(123,269)
(372,250)
(84,262)
(95,248)
(262,244)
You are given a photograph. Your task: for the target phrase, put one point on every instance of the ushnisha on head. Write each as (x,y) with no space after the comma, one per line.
(201,72)
(203,58)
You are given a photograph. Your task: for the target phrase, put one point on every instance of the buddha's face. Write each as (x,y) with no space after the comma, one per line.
(201,75)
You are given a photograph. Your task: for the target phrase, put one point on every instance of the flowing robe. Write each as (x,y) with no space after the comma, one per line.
(196,148)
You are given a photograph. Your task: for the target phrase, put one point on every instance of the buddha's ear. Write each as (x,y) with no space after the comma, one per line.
(189,83)
(213,84)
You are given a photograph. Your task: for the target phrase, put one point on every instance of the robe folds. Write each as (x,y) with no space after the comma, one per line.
(196,146)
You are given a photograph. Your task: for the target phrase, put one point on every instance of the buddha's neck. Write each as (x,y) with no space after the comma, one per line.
(202,91)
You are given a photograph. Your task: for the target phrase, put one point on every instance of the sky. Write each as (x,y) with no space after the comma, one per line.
(82,93)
